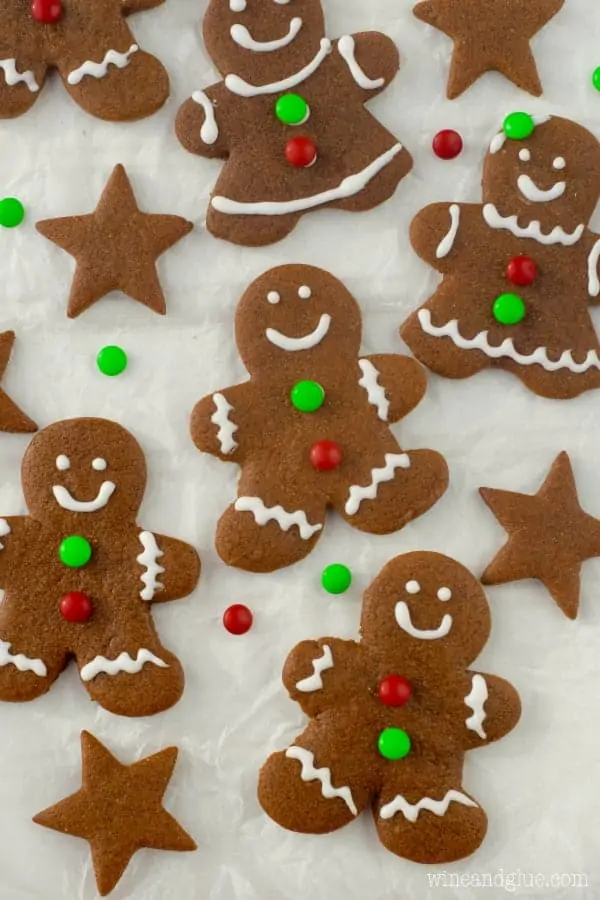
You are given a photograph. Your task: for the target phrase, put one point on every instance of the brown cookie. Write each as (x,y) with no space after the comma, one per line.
(549,536)
(12,419)
(492,35)
(79,575)
(289,119)
(311,427)
(93,49)
(116,247)
(393,715)
(118,810)
(519,271)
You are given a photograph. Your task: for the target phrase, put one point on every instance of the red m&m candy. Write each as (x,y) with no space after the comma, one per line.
(238,619)
(301,152)
(395,690)
(47,12)
(326,455)
(521,270)
(447,144)
(75,607)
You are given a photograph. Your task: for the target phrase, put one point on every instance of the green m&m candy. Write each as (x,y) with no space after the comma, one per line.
(307,396)
(509,309)
(75,551)
(518,126)
(336,579)
(112,360)
(12,212)
(596,79)
(292,109)
(394,743)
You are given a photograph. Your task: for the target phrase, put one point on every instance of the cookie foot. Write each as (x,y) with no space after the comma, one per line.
(20,87)
(26,676)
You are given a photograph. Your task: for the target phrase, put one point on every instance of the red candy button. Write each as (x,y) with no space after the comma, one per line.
(238,619)
(326,455)
(447,144)
(301,152)
(75,607)
(46,11)
(395,690)
(521,270)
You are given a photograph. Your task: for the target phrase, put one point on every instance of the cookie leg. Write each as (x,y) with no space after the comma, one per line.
(381,187)
(248,231)
(398,489)
(440,354)
(20,86)
(27,670)
(132,677)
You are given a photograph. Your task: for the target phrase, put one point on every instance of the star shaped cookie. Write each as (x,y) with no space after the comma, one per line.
(116,247)
(118,810)
(549,536)
(11,417)
(490,35)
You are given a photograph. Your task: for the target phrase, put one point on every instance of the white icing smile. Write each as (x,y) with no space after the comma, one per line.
(306,342)
(243,38)
(404,620)
(65,499)
(532,192)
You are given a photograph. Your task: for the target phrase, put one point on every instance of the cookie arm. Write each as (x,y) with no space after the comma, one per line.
(12,541)
(395,384)
(322,674)
(168,569)
(492,709)
(200,123)
(437,234)
(371,61)
(216,426)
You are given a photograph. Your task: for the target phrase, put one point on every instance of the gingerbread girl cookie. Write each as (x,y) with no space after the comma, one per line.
(289,118)
(79,575)
(93,49)
(393,715)
(311,428)
(520,270)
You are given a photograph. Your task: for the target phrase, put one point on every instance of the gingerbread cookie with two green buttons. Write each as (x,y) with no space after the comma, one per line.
(393,714)
(80,575)
(289,118)
(520,270)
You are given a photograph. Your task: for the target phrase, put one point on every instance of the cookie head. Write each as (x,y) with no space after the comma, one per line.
(423,604)
(262,41)
(84,467)
(297,318)
(543,168)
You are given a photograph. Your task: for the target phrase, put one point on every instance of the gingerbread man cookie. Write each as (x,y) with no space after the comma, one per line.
(311,428)
(520,270)
(393,715)
(93,49)
(289,118)
(79,575)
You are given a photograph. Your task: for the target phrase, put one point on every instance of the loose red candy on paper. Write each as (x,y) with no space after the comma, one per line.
(238,619)
(521,270)
(75,607)
(326,455)
(447,144)
(395,690)
(301,152)
(47,12)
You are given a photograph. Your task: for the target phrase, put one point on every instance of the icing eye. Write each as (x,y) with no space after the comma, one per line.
(524,154)
(99,464)
(63,463)
(412,587)
(237,5)
(559,163)
(304,292)
(444,594)
(273,297)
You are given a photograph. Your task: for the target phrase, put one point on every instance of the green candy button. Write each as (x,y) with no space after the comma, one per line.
(307,396)
(292,109)
(596,79)
(336,579)
(112,360)
(75,552)
(518,126)
(394,743)
(12,212)
(509,309)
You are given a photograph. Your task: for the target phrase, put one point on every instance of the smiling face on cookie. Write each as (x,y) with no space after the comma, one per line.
(84,467)
(263,40)
(296,317)
(423,603)
(552,175)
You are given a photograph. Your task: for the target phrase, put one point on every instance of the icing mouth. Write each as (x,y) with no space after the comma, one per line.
(532,230)
(243,38)
(404,620)
(507,348)
(65,499)
(532,192)
(306,342)
(242,88)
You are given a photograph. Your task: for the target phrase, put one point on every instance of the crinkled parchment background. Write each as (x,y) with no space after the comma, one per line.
(541,785)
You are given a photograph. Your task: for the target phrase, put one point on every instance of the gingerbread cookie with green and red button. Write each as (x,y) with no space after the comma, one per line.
(80,575)
(289,118)
(520,270)
(393,714)
(311,429)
